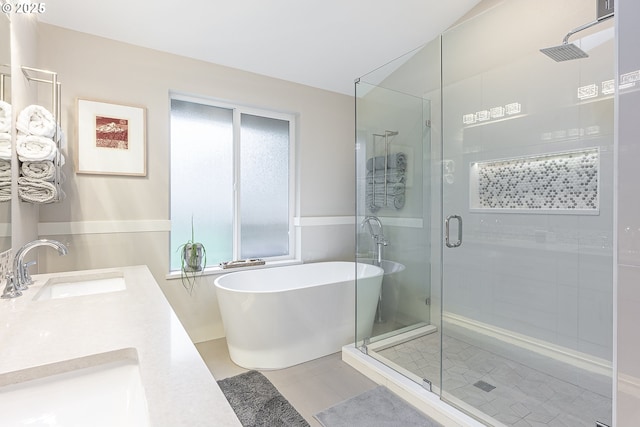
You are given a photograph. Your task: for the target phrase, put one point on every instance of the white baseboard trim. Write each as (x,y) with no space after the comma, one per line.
(164,225)
(628,384)
(314,221)
(553,351)
(103,227)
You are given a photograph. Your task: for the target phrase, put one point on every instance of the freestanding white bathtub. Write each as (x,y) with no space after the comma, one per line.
(279,317)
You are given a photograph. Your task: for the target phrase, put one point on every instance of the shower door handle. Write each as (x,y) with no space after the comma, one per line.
(446,231)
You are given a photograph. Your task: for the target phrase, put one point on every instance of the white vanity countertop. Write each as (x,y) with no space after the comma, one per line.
(179,388)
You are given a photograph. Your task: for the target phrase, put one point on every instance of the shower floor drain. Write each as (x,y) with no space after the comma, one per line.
(484,386)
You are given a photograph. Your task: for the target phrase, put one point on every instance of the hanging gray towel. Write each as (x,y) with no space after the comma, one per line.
(391,189)
(394,160)
(392,176)
(392,197)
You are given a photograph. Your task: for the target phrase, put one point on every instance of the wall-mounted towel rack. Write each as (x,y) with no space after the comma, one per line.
(51,78)
(56,90)
(386,174)
(387,134)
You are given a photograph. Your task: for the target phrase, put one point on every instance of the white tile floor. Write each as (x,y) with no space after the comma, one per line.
(522,396)
(310,387)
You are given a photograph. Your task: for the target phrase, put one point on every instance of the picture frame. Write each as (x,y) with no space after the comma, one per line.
(111,139)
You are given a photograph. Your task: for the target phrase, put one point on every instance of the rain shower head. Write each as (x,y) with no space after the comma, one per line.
(564,52)
(569,51)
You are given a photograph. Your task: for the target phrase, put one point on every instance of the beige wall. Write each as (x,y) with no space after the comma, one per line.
(119,220)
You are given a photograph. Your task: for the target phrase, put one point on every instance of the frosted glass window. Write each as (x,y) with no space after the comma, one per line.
(264,187)
(230,171)
(202,179)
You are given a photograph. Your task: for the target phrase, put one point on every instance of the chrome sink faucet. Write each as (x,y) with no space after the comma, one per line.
(19,278)
(378,238)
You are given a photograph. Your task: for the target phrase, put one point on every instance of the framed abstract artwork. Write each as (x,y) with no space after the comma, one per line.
(111,139)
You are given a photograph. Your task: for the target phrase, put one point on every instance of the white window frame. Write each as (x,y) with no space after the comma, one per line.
(238,110)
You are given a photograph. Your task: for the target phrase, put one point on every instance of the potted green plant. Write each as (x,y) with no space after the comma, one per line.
(193,260)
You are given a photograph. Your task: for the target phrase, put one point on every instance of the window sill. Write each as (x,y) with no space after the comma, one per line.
(218,271)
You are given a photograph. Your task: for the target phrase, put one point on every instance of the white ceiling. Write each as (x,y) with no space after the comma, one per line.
(321,43)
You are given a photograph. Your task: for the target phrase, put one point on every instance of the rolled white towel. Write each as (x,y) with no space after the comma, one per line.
(37,191)
(5,189)
(44,170)
(5,169)
(5,146)
(32,148)
(36,120)
(5,117)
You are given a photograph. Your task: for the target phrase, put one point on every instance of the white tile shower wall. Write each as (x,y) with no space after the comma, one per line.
(549,282)
(544,276)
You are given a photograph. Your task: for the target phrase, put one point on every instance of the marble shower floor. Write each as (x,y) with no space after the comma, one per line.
(522,397)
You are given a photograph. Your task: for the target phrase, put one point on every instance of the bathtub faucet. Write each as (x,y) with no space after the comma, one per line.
(378,238)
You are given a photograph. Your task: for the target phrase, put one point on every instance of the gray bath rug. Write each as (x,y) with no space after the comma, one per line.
(375,408)
(257,403)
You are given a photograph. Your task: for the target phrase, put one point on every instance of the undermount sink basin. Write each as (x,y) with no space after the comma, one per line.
(98,390)
(73,286)
(389,267)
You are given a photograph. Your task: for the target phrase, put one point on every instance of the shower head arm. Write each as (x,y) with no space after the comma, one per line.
(584,27)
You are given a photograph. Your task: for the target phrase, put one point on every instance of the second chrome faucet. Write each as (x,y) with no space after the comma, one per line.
(378,237)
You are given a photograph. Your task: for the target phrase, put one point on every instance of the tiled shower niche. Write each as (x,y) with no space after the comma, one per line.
(564,182)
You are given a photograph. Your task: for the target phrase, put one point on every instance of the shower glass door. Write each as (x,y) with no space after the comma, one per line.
(527,185)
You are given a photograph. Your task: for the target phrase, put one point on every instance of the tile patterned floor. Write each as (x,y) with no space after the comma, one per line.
(522,397)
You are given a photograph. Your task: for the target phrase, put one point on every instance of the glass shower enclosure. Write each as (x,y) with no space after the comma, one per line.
(394,168)
(498,286)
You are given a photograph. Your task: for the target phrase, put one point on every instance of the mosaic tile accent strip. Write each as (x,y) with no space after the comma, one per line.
(562,182)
